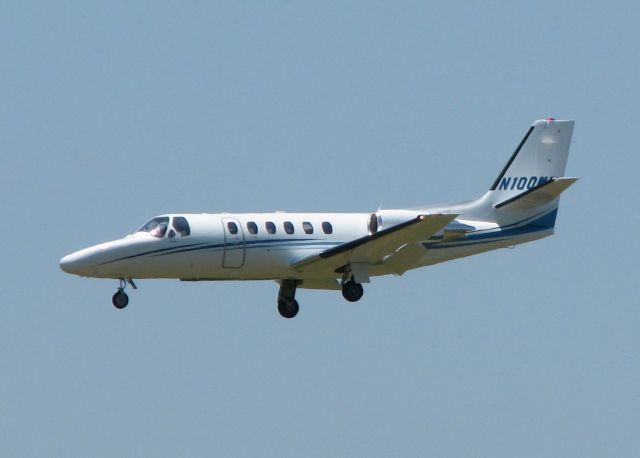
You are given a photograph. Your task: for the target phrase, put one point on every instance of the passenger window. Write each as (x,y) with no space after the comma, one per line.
(233,228)
(307,227)
(271,228)
(156,227)
(288,227)
(252,227)
(327,228)
(181,226)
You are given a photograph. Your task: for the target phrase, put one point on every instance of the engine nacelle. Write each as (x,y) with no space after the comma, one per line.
(384,219)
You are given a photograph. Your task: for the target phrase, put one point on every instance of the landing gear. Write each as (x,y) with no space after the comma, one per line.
(287,304)
(120,299)
(352,291)
(288,309)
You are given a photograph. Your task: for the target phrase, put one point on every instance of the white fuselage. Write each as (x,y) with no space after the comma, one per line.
(211,251)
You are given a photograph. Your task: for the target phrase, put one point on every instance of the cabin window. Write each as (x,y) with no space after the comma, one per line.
(232,227)
(307,227)
(156,227)
(252,227)
(271,228)
(181,226)
(327,228)
(288,227)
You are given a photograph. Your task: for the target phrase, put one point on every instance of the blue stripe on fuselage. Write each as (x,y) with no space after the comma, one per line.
(541,223)
(285,243)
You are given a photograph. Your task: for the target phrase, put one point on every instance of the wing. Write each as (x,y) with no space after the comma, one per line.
(372,249)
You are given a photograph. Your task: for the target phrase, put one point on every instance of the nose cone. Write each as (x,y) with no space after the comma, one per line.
(79,263)
(71,263)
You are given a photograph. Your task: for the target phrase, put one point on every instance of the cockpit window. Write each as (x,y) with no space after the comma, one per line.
(156,227)
(181,226)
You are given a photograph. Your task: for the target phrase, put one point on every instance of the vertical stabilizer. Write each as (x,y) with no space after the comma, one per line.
(540,157)
(530,183)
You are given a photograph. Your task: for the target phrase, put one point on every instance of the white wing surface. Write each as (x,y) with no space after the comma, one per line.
(374,248)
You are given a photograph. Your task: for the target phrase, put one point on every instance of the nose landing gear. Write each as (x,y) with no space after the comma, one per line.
(120,299)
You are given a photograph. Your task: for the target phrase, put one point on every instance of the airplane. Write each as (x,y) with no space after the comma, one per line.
(342,251)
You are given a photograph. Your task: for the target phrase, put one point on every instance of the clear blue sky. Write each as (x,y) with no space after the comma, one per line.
(113,112)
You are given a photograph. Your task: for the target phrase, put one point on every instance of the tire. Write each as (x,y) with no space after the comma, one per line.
(352,291)
(120,299)
(288,309)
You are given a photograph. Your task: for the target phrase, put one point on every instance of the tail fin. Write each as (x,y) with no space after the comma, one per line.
(528,189)
(541,156)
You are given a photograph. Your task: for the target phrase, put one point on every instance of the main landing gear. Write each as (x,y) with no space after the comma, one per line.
(352,291)
(287,304)
(120,299)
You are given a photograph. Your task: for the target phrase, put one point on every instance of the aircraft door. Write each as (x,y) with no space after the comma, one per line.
(234,245)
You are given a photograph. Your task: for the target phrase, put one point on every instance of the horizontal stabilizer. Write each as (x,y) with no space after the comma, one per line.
(540,195)
(372,248)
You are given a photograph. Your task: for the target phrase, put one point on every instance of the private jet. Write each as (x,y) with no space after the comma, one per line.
(342,251)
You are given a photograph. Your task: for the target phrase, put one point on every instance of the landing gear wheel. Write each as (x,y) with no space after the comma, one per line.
(120,299)
(352,291)
(288,309)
